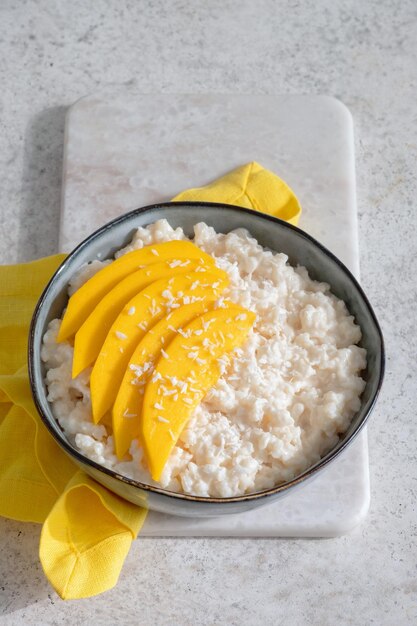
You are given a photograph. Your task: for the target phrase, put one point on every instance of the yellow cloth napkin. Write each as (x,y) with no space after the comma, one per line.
(252,187)
(87,530)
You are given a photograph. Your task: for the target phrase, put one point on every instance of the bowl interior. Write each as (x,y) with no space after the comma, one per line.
(270,233)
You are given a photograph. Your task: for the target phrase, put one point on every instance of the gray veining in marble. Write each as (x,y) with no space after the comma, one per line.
(365,53)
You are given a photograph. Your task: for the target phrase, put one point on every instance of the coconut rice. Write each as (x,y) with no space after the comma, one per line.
(282,401)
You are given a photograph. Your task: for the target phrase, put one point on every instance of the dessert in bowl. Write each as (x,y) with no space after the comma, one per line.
(239,361)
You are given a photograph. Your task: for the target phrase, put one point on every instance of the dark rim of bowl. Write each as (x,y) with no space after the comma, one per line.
(310,472)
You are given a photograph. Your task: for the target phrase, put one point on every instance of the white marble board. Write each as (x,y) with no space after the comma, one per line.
(126,150)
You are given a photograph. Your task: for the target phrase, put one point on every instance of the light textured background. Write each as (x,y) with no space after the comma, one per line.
(365,53)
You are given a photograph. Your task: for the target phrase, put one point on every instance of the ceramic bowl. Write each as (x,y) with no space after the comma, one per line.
(271,233)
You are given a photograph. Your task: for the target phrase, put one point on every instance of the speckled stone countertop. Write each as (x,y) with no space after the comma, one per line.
(364,53)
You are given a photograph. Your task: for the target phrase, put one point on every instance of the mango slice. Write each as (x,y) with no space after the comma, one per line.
(128,404)
(149,306)
(183,375)
(83,301)
(93,332)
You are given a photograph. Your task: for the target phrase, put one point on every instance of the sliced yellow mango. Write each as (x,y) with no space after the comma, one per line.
(128,404)
(183,376)
(150,305)
(83,301)
(91,335)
